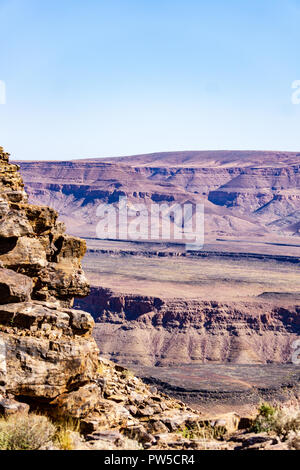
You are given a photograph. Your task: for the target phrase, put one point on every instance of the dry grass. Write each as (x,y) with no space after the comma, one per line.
(203,431)
(34,432)
(25,432)
(65,431)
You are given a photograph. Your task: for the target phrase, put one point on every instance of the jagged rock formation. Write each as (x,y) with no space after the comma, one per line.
(34,243)
(47,352)
(152,418)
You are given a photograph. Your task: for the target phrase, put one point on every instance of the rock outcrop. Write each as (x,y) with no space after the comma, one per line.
(46,350)
(34,243)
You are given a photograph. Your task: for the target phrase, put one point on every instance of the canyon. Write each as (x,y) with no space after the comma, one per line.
(169,332)
(159,308)
(244,193)
(50,367)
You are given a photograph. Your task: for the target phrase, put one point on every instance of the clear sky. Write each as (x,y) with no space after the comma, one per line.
(93,78)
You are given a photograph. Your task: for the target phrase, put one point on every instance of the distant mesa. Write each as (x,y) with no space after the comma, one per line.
(246,193)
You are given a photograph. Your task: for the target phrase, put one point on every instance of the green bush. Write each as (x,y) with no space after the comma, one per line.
(281,421)
(265,420)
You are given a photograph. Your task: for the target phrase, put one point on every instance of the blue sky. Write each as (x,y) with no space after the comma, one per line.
(100,78)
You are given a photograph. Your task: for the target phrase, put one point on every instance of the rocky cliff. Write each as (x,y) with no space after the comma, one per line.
(151,331)
(47,352)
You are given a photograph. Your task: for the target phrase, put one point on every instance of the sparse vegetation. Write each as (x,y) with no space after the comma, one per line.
(281,421)
(186,433)
(127,373)
(33,432)
(203,431)
(65,429)
(25,432)
(265,419)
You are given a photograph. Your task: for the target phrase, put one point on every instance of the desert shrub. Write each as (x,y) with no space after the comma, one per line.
(281,421)
(65,430)
(265,420)
(25,432)
(202,431)
(267,411)
(287,421)
(186,433)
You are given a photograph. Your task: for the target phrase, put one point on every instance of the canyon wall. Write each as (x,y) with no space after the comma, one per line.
(247,195)
(152,331)
(243,192)
(49,361)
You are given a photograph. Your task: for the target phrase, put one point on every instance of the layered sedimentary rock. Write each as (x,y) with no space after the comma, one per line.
(152,331)
(46,348)
(34,243)
(243,192)
(48,351)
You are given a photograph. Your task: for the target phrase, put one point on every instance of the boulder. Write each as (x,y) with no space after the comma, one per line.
(253,441)
(46,357)
(77,404)
(14,287)
(60,282)
(28,254)
(15,224)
